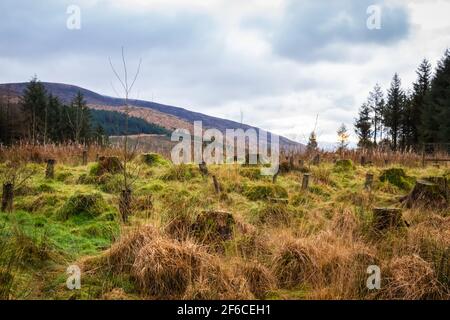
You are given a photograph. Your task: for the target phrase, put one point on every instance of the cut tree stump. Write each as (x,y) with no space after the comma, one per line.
(203,168)
(216,184)
(305,181)
(85,157)
(432,192)
(363,160)
(387,218)
(7,197)
(50,169)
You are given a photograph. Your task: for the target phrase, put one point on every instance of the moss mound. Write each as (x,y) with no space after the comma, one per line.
(110,165)
(264,191)
(180,172)
(344,165)
(83,204)
(397,177)
(153,159)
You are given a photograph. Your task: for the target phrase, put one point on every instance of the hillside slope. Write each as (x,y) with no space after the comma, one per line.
(163,115)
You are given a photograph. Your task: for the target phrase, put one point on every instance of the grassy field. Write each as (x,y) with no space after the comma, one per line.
(254,240)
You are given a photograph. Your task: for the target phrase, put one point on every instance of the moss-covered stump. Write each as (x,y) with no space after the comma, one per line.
(213,227)
(387,218)
(397,177)
(264,191)
(343,165)
(83,204)
(107,165)
(428,193)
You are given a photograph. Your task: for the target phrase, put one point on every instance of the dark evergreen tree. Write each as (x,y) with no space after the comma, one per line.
(34,104)
(363,127)
(78,118)
(393,111)
(420,90)
(436,113)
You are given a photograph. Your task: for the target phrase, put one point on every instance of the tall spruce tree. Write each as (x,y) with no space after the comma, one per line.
(78,118)
(363,127)
(393,111)
(436,113)
(420,90)
(34,104)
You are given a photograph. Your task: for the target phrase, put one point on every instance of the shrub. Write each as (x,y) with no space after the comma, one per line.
(295,264)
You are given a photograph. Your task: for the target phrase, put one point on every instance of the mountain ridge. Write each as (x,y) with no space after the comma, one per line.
(66,92)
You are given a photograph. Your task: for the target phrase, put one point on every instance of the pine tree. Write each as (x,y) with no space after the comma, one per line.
(393,111)
(78,118)
(436,115)
(376,103)
(363,127)
(420,90)
(34,104)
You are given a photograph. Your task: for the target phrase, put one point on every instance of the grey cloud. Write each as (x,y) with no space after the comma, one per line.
(317,30)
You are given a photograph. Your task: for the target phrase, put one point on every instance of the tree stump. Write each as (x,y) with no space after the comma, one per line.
(426,192)
(305,181)
(7,197)
(386,162)
(125,204)
(97,157)
(387,218)
(85,157)
(50,169)
(203,168)
(301,163)
(216,184)
(369,181)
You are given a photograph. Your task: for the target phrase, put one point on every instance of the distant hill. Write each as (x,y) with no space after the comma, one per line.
(169,117)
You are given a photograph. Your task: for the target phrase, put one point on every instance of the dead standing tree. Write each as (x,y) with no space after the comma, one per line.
(125,199)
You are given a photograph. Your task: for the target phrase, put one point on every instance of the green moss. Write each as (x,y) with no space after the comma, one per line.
(63,176)
(398,178)
(82,205)
(263,191)
(44,187)
(153,159)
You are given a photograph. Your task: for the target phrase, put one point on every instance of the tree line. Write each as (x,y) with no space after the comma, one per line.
(405,119)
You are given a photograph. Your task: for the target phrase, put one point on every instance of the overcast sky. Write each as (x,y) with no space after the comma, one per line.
(279,62)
